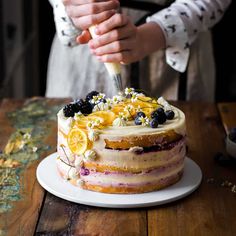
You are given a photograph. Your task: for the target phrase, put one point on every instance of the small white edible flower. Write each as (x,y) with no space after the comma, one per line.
(101,95)
(138,109)
(129,91)
(34,149)
(122,116)
(117,99)
(119,122)
(103,106)
(128,108)
(109,103)
(93,123)
(90,125)
(134,97)
(98,98)
(144,120)
(73,173)
(93,135)
(95,100)
(96,108)
(90,155)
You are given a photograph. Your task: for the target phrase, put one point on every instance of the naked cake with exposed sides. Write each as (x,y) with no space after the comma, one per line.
(130,143)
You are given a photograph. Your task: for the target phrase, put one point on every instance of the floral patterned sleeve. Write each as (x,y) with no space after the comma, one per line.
(66,31)
(181,24)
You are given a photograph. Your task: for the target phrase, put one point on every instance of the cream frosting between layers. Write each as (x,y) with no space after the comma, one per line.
(126,159)
(129,159)
(115,179)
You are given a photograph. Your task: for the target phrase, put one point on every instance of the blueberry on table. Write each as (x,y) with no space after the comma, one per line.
(170,115)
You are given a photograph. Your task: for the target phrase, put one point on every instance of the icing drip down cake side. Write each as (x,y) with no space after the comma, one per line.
(130,143)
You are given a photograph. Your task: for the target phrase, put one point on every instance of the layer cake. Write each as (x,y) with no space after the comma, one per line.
(128,144)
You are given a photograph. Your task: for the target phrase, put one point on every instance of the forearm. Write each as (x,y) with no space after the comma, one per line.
(151,38)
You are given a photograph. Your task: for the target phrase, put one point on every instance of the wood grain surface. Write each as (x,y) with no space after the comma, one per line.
(22,218)
(210,210)
(60,217)
(203,212)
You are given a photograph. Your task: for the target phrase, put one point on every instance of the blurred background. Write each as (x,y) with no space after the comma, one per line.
(26,32)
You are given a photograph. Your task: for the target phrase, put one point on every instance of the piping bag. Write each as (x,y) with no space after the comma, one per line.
(114,69)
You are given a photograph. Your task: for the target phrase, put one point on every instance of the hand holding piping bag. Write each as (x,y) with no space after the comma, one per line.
(114,69)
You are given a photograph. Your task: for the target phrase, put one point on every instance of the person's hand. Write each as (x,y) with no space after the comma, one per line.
(121,41)
(85,13)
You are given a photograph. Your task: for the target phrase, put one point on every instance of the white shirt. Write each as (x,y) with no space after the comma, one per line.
(181,23)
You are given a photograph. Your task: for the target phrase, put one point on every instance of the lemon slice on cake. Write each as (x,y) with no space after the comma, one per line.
(77,141)
(82,123)
(107,116)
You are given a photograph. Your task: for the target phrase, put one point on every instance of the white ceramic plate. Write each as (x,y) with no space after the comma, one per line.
(50,180)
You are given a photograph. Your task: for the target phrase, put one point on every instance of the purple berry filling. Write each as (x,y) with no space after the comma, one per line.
(84,171)
(158,147)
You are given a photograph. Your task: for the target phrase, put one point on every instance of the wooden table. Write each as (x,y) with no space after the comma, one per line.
(28,134)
